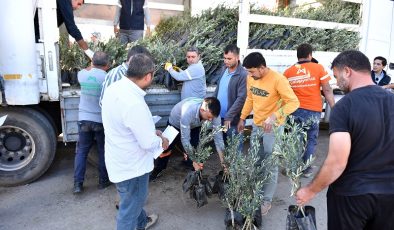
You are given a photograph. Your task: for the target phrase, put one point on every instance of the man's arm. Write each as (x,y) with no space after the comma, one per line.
(185,122)
(192,72)
(66,10)
(117,17)
(147,17)
(147,140)
(328,94)
(333,167)
(290,101)
(236,107)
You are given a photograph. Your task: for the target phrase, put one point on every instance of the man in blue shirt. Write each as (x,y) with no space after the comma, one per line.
(231,89)
(90,125)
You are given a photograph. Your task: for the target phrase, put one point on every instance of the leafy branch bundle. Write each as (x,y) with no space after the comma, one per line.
(247,174)
(215,28)
(289,149)
(195,182)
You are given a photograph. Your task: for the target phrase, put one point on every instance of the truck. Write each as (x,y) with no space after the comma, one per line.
(41,111)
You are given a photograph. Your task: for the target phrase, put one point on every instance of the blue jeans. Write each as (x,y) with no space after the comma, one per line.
(133,194)
(303,116)
(267,142)
(230,132)
(88,132)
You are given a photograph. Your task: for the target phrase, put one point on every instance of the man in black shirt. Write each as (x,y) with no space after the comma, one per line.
(359,168)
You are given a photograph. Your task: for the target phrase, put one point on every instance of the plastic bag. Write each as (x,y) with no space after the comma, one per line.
(297,221)
(238,220)
(201,196)
(190,180)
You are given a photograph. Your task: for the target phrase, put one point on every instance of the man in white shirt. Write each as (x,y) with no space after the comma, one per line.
(131,142)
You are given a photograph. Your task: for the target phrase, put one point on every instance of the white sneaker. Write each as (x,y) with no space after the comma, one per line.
(152,219)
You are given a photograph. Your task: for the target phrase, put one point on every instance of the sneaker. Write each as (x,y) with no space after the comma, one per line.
(265,207)
(152,219)
(155,174)
(103,185)
(78,187)
(307,172)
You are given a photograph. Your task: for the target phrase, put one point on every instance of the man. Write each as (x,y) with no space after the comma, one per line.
(271,98)
(194,82)
(131,142)
(65,15)
(187,117)
(119,72)
(231,89)
(90,126)
(130,15)
(378,74)
(306,78)
(359,168)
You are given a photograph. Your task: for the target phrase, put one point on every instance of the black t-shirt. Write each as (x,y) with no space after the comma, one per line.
(366,113)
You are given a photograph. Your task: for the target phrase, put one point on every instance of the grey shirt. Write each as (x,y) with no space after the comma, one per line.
(194,82)
(91,83)
(186,115)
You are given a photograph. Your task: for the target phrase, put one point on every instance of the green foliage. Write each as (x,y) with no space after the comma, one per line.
(289,149)
(246,176)
(116,51)
(215,28)
(203,150)
(72,57)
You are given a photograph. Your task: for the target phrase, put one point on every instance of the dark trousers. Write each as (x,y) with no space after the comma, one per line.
(88,132)
(368,212)
(161,162)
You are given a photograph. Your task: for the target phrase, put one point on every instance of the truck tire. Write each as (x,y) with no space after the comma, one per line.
(27,145)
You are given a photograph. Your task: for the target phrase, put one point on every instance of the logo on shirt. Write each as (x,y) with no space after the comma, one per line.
(259,92)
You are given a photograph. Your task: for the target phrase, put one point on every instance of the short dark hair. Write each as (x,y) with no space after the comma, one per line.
(193,49)
(304,50)
(384,61)
(231,48)
(139,66)
(213,105)
(100,58)
(254,60)
(137,49)
(353,59)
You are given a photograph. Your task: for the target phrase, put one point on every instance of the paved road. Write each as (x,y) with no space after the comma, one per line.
(49,203)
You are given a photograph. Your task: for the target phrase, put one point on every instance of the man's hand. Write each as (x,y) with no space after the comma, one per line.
(176,68)
(241,125)
(89,53)
(198,166)
(167,66)
(165,142)
(267,125)
(147,32)
(116,31)
(304,195)
(227,125)
(159,133)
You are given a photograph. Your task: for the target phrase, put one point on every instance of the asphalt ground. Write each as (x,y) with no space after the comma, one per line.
(48,203)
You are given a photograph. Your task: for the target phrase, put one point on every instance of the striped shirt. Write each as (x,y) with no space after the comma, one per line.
(112,76)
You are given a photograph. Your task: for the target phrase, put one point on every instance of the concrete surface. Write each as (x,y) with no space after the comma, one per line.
(49,203)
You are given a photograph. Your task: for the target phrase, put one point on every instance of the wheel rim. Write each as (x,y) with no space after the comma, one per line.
(17,148)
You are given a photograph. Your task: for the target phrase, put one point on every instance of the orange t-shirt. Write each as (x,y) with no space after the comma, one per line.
(305,80)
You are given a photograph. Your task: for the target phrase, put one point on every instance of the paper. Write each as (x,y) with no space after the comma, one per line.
(170,133)
(156,119)
(2,120)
